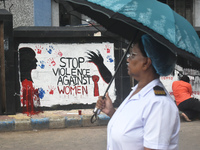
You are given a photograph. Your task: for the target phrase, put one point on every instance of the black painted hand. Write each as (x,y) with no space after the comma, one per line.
(97,59)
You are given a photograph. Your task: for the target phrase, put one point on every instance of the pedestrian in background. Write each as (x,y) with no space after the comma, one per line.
(189,106)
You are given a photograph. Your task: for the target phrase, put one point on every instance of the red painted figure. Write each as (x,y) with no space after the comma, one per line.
(30,95)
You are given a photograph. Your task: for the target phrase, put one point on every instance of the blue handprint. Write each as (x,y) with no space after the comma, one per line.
(41,93)
(42,64)
(109,59)
(50,49)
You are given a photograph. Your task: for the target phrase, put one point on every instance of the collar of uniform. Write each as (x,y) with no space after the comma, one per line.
(145,89)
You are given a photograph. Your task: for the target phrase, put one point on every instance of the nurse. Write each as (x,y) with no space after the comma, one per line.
(148,118)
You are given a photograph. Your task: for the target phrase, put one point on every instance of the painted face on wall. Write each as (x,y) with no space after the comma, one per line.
(27,59)
(28,62)
(33,63)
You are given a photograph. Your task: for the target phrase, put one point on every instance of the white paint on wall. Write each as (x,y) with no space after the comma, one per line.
(58,72)
(196,13)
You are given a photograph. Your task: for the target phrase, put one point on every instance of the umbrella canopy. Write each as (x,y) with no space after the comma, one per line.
(125,17)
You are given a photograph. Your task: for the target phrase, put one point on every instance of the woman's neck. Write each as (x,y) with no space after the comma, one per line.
(144,82)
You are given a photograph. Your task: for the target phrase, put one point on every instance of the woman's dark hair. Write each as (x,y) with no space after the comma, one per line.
(185,78)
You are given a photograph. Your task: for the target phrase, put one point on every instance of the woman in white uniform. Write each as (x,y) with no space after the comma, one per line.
(148,118)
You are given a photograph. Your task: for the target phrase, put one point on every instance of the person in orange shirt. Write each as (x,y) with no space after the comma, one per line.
(189,106)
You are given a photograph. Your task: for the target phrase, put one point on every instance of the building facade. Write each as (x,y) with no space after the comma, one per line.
(51,13)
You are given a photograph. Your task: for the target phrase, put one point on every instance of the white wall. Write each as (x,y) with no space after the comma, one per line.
(22,11)
(57,75)
(196,20)
(55,13)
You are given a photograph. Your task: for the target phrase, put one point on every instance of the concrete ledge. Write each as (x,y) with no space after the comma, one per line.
(73,121)
(50,120)
(87,123)
(7,125)
(41,123)
(56,123)
(103,119)
(23,125)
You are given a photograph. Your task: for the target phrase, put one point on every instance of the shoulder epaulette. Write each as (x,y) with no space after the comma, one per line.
(159,91)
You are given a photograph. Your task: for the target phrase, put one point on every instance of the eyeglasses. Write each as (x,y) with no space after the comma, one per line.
(131,55)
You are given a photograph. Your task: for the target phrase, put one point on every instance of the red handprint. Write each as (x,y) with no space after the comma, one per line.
(38,49)
(107,48)
(52,88)
(59,53)
(51,62)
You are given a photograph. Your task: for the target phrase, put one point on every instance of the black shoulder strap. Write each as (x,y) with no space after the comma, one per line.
(159,91)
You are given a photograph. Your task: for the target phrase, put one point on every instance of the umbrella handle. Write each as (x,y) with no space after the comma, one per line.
(97,111)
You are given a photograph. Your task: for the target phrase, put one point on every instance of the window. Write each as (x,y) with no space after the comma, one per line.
(196,18)
(183,8)
(68,19)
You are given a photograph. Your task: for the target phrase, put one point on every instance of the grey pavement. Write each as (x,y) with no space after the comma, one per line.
(189,135)
(59,119)
(83,138)
(50,120)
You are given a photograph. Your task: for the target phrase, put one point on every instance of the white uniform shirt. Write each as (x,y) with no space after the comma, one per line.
(145,120)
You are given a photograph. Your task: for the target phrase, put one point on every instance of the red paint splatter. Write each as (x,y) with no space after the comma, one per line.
(29,97)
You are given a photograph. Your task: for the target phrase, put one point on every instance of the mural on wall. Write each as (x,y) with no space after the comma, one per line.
(194,76)
(67,73)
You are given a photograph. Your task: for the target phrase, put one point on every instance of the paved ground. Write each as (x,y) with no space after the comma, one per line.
(83,138)
(66,120)
(189,136)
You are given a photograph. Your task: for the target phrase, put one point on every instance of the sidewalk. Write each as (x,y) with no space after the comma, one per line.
(50,120)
